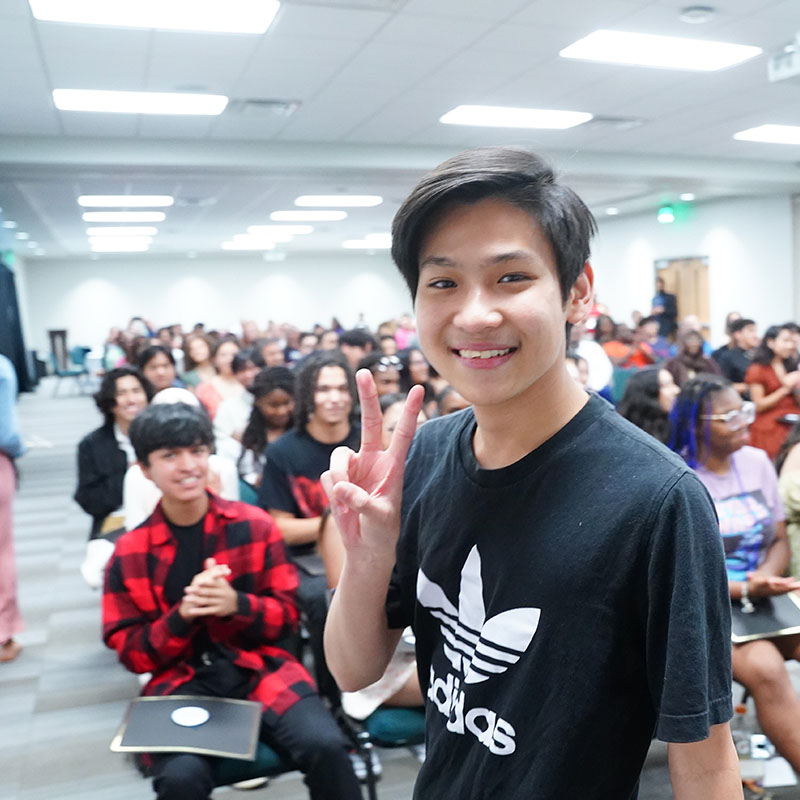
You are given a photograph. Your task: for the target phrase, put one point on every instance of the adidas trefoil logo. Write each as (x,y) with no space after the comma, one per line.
(476,647)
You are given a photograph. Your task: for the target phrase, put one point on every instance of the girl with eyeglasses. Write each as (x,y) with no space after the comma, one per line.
(710,424)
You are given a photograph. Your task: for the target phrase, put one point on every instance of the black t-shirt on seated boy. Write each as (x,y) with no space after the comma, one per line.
(567,608)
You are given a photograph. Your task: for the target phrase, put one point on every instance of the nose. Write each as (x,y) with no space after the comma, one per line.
(478,312)
(186,461)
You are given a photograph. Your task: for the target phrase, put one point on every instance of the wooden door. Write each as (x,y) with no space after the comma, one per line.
(687,279)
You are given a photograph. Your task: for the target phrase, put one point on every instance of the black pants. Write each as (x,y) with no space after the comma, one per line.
(306,732)
(312,599)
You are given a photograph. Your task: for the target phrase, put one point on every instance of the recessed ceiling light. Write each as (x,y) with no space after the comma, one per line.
(9,224)
(139,102)
(125,200)
(22,236)
(308,216)
(232,16)
(142,230)
(666,52)
(612,211)
(339,200)
(123,216)
(687,197)
(279,230)
(771,134)
(505,117)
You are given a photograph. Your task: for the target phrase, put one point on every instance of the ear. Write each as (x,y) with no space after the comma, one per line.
(145,470)
(581,296)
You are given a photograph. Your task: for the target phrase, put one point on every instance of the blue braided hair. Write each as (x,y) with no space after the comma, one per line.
(693,402)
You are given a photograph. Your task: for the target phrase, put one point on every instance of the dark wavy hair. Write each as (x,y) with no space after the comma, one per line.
(105,397)
(640,405)
(151,352)
(307,383)
(168,425)
(764,353)
(254,437)
(693,402)
(405,373)
(512,174)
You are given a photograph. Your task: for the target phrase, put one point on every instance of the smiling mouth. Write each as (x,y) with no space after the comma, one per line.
(484,354)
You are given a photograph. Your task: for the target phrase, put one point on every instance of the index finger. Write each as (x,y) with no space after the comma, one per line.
(371,415)
(407,426)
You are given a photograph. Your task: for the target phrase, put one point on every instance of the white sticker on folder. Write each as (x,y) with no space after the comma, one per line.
(189,716)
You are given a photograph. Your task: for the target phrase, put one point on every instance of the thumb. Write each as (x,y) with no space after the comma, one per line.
(209,563)
(350,496)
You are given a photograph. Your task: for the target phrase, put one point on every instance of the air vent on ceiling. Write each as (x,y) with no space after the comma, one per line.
(195,202)
(617,123)
(263,106)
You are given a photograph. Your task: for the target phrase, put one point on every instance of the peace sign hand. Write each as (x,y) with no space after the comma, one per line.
(365,488)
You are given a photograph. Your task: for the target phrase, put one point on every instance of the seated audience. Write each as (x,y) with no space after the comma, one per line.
(388,345)
(385,372)
(730,318)
(290,486)
(600,367)
(272,352)
(234,412)
(356,344)
(773,381)
(197,360)
(11,447)
(578,368)
(224,384)
(157,364)
(104,456)
(140,496)
(308,345)
(710,423)
(329,340)
(647,332)
(416,371)
(604,329)
(202,597)
(648,400)
(735,357)
(448,401)
(690,360)
(271,417)
(787,463)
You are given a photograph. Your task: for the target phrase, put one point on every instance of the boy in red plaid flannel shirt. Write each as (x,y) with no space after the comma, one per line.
(201,595)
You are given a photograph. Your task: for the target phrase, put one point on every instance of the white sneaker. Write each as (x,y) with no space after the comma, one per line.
(418,751)
(360,766)
(252,783)
(98,553)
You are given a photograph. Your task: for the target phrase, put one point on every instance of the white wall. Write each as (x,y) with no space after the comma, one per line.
(749,245)
(88,297)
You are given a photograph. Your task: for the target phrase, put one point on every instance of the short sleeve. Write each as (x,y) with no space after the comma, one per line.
(688,621)
(754,374)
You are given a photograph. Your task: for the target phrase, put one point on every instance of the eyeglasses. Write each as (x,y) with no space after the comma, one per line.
(387,362)
(736,419)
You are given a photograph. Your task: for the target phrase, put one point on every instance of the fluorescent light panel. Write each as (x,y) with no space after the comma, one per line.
(123,216)
(142,230)
(125,200)
(665,52)
(339,200)
(507,117)
(771,134)
(232,16)
(308,216)
(110,102)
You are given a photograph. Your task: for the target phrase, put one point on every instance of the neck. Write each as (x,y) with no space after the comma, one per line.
(123,425)
(508,431)
(719,463)
(327,433)
(185,513)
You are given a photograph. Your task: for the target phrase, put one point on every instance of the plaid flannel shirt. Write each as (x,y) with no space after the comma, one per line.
(148,633)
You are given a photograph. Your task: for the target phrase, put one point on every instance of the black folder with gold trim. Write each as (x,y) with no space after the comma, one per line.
(231,730)
(773,616)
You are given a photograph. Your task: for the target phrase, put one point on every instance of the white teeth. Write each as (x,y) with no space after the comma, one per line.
(189,480)
(483,353)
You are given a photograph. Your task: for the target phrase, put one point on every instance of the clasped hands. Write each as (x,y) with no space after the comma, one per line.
(209,594)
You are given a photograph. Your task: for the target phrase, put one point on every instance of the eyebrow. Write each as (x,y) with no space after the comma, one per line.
(501,258)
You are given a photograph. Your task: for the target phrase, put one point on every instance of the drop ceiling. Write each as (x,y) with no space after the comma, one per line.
(372,79)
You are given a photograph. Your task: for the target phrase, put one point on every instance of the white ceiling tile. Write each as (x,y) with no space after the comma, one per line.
(406,28)
(456,9)
(78,123)
(590,14)
(174,127)
(258,126)
(319,22)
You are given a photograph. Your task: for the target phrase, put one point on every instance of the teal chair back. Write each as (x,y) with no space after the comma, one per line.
(267,764)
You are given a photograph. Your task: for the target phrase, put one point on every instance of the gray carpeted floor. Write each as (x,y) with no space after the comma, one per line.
(63,698)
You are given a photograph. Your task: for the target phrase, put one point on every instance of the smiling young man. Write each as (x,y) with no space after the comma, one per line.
(202,596)
(562,571)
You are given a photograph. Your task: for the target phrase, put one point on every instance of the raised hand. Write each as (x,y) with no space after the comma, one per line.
(365,488)
(209,594)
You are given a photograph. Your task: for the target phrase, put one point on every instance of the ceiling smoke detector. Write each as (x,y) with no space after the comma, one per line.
(697,15)
(263,106)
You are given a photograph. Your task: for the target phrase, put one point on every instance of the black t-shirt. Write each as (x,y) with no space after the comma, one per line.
(733,363)
(291,475)
(566,608)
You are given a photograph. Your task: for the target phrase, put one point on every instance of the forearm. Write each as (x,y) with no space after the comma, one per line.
(770,400)
(358,643)
(707,770)
(296,530)
(778,555)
